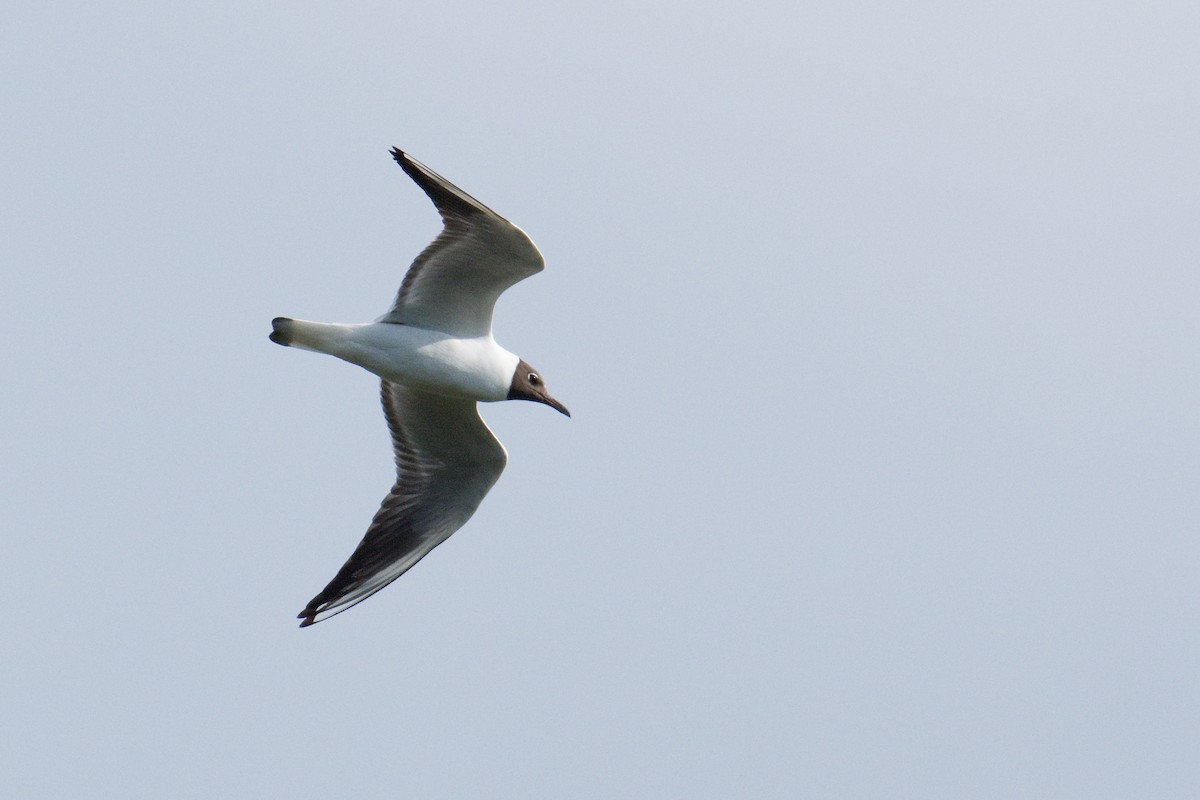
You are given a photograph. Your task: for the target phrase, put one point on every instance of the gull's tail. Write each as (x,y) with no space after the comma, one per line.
(283,331)
(320,337)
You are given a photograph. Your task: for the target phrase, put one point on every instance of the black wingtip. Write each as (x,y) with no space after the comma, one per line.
(413,171)
(448,198)
(309,617)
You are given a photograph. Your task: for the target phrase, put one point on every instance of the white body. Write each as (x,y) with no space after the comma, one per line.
(428,360)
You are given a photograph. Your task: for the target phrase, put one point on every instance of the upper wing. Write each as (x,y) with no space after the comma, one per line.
(453,284)
(446,461)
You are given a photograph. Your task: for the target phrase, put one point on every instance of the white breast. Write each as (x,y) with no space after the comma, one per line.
(433,361)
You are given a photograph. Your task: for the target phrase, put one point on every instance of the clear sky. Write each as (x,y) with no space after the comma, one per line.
(879,326)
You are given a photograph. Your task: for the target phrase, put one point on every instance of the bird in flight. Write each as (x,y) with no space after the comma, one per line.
(436,357)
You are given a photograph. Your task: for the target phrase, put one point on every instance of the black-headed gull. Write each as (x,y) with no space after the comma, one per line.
(435,353)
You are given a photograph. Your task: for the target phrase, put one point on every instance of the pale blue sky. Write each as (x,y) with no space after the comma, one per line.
(878,322)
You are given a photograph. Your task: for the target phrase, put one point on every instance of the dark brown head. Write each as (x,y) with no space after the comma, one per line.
(527,385)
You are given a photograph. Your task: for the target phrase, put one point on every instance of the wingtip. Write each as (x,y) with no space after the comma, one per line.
(399,155)
(309,618)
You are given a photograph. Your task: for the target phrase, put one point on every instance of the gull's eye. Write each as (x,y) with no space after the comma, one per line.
(534,378)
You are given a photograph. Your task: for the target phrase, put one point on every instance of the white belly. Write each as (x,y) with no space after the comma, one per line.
(433,361)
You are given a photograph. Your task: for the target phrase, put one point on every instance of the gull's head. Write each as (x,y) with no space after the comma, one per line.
(527,384)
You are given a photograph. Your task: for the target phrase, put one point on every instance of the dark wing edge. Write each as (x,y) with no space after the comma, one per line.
(450,201)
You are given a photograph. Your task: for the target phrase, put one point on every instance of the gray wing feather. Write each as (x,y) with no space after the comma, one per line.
(454,283)
(446,462)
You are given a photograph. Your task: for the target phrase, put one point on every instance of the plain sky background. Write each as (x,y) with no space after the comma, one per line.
(878,321)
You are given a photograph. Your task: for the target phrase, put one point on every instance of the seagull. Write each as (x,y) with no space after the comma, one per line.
(437,359)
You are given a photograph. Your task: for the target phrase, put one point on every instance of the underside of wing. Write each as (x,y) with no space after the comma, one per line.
(446,462)
(453,284)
